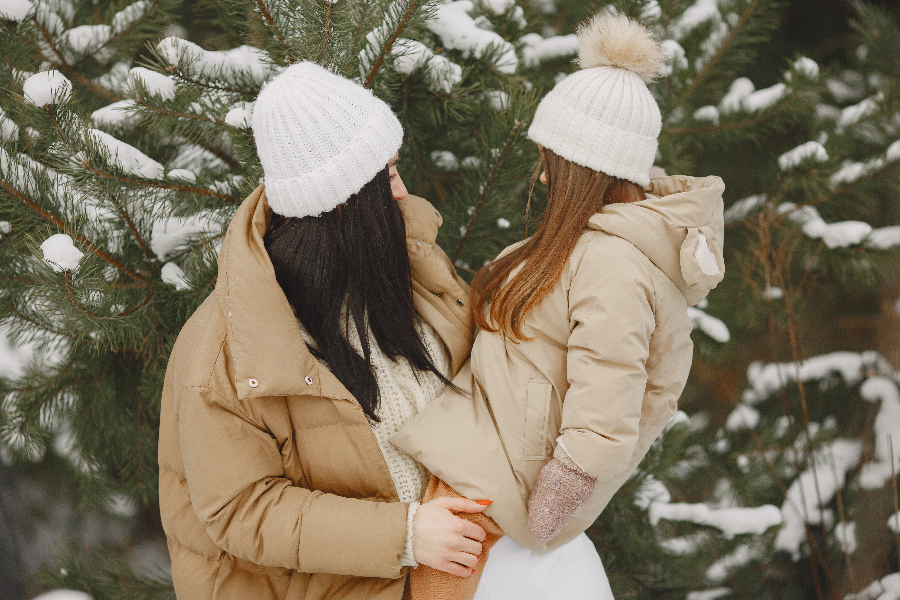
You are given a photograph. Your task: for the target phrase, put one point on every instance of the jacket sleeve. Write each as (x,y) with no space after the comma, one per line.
(611,319)
(250,509)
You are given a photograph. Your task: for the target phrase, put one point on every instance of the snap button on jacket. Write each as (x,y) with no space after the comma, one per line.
(272,484)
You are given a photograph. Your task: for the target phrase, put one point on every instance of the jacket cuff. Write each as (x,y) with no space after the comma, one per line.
(407,559)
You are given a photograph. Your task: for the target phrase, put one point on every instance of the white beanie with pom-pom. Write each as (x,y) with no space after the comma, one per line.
(320,138)
(603,116)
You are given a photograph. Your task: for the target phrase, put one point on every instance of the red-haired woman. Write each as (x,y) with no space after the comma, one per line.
(584,344)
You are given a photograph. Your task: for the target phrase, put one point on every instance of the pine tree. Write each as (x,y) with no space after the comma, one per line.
(126,148)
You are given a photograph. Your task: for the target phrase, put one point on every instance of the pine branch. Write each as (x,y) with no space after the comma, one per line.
(159,186)
(134,231)
(390,44)
(270,21)
(128,29)
(326,32)
(487,184)
(92,315)
(755,120)
(721,50)
(207,85)
(176,114)
(15,193)
(19,314)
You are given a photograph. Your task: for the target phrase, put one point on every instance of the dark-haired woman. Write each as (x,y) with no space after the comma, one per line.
(335,318)
(584,344)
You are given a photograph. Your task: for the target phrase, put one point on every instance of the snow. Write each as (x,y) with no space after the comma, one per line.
(536,48)
(845,533)
(893,152)
(741,555)
(856,112)
(48,87)
(652,492)
(886,588)
(875,473)
(731,521)
(742,417)
(765,379)
(171,234)
(744,207)
(499,100)
(84,39)
(182,174)
(677,58)
(129,158)
(458,31)
(740,88)
(709,325)
(15,10)
(240,115)
(707,113)
(63,595)
(773,293)
(128,15)
(802,153)
(807,67)
(116,117)
(5,227)
(894,522)
(711,594)
(159,85)
(835,235)
(60,251)
(443,74)
(228,65)
(444,160)
(698,13)
(174,275)
(884,238)
(851,171)
(503,223)
(498,7)
(765,98)
(8,128)
(814,489)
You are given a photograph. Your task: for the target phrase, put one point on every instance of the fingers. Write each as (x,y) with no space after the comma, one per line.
(466,559)
(460,505)
(455,568)
(472,531)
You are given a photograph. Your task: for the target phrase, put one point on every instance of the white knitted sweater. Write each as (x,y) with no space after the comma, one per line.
(403,393)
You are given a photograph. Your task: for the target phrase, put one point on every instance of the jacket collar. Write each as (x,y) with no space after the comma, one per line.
(268,353)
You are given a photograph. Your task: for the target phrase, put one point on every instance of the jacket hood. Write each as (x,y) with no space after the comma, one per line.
(681,231)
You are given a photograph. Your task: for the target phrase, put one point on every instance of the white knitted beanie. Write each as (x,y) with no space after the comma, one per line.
(320,138)
(603,116)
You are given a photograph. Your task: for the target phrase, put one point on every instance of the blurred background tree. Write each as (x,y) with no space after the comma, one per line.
(126,148)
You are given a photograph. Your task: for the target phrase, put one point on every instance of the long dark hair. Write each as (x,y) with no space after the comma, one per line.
(351,265)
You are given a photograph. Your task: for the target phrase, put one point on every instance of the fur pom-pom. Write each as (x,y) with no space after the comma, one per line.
(609,40)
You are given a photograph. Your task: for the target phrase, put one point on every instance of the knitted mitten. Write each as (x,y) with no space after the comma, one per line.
(561,487)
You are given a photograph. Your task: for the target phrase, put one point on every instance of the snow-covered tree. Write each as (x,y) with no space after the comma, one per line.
(126,148)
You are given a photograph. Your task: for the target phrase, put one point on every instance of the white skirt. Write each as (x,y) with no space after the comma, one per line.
(570,572)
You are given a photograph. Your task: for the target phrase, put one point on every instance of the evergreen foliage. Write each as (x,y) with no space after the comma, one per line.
(141,151)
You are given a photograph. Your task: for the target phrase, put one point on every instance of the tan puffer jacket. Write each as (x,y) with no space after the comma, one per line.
(611,355)
(272,485)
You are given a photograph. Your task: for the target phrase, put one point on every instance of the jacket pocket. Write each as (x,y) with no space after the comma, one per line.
(537,419)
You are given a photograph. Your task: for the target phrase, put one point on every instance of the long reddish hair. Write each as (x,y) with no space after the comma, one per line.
(575,194)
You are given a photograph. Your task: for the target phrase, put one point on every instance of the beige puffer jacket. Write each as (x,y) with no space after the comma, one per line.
(272,485)
(611,355)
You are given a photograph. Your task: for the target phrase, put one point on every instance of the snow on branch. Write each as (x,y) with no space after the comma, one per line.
(231,66)
(15,10)
(458,31)
(810,151)
(536,48)
(711,326)
(886,460)
(813,490)
(127,157)
(48,87)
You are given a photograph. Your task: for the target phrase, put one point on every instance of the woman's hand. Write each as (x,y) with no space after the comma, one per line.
(445,542)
